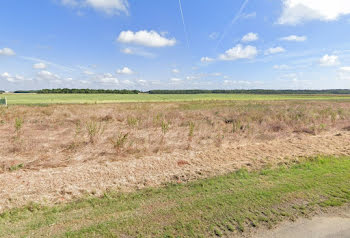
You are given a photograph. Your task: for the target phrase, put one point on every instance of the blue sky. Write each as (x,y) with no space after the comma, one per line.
(226,44)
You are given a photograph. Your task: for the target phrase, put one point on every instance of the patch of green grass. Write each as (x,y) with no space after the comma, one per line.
(216,206)
(16,167)
(37,99)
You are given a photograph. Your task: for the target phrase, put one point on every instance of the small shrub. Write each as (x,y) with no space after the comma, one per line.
(191,126)
(18,126)
(77,129)
(119,141)
(165,127)
(236,126)
(94,130)
(132,121)
(16,167)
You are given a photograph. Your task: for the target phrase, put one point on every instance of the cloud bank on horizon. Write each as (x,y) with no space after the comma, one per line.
(282,44)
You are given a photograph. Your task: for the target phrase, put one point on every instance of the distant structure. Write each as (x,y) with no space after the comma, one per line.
(3,101)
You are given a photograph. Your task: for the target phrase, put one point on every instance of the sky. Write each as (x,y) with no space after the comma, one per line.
(175,44)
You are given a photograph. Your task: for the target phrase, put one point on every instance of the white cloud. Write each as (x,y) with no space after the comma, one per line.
(110,7)
(274,50)
(298,11)
(239,52)
(345,68)
(61,67)
(39,66)
(141,82)
(71,3)
(13,79)
(145,38)
(7,52)
(250,37)
(206,59)
(175,71)
(107,78)
(294,38)
(237,82)
(125,70)
(281,67)
(87,72)
(175,80)
(128,82)
(192,77)
(136,51)
(329,60)
(46,75)
(127,51)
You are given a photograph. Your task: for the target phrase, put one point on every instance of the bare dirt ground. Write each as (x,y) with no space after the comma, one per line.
(334,225)
(54,157)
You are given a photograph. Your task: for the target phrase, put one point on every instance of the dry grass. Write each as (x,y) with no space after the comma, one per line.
(56,135)
(60,152)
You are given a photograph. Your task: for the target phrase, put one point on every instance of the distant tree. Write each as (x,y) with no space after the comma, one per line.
(85,91)
(251,91)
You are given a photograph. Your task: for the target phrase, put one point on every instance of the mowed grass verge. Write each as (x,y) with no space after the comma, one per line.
(30,99)
(224,205)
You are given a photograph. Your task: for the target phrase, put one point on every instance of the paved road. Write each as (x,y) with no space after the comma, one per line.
(318,227)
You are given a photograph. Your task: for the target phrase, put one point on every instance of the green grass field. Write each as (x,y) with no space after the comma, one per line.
(217,206)
(24,99)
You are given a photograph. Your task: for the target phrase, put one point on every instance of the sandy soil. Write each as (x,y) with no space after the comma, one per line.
(63,183)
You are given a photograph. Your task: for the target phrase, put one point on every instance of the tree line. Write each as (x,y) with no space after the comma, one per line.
(190,91)
(79,91)
(251,91)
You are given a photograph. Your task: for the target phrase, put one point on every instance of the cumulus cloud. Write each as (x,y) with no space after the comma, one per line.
(206,59)
(175,71)
(106,78)
(125,70)
(329,60)
(39,66)
(145,38)
(239,52)
(110,7)
(46,75)
(274,50)
(294,38)
(298,11)
(250,37)
(12,78)
(7,52)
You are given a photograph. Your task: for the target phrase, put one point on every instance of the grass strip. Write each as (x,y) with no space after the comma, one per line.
(218,206)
